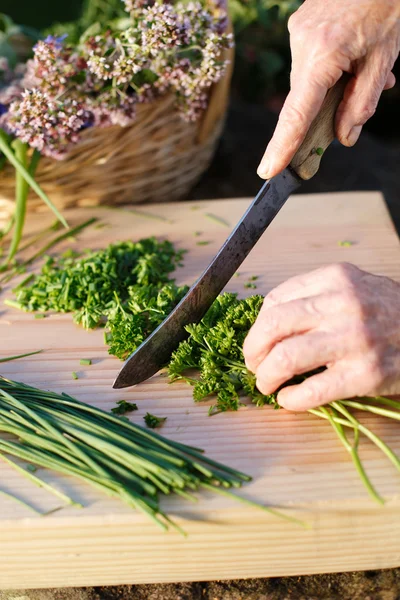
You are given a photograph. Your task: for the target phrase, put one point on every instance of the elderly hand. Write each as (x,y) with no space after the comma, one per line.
(329,37)
(339,317)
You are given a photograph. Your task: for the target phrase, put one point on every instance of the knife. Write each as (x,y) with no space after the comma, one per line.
(156,350)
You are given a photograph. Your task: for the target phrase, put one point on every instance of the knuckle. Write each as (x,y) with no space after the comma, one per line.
(271,298)
(294,23)
(342,272)
(352,300)
(327,35)
(295,114)
(270,322)
(365,113)
(283,359)
(313,392)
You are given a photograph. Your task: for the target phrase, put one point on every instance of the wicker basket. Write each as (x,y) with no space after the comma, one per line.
(158,158)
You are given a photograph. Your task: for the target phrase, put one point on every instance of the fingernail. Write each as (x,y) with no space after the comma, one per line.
(263,168)
(354,135)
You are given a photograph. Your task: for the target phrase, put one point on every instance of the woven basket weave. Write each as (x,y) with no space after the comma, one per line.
(158,158)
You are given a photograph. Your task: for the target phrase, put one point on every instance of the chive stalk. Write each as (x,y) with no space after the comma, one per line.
(118,458)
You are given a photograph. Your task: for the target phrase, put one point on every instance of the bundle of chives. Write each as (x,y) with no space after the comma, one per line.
(119,458)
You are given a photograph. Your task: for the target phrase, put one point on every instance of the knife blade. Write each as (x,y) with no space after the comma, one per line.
(155,351)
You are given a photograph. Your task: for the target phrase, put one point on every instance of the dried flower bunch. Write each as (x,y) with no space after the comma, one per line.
(159,48)
(163,48)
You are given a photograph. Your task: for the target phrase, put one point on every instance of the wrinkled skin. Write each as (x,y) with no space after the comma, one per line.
(327,38)
(338,316)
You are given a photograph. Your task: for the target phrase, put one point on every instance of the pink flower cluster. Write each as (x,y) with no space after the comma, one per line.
(166,48)
(47,125)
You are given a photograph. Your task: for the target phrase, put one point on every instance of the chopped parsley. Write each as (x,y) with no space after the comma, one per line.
(152,421)
(211,359)
(123,407)
(90,285)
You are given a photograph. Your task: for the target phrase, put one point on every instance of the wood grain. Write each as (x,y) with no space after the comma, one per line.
(295,459)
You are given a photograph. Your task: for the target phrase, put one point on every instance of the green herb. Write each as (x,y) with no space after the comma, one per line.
(85,362)
(202,243)
(319,151)
(8,358)
(44,233)
(237,274)
(214,349)
(345,243)
(152,421)
(197,233)
(24,282)
(31,468)
(119,458)
(74,375)
(46,248)
(132,321)
(123,407)
(40,315)
(22,171)
(217,219)
(250,286)
(93,285)
(195,207)
(101,225)
(213,352)
(253,278)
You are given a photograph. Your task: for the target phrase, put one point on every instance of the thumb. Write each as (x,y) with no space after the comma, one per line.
(361,98)
(301,107)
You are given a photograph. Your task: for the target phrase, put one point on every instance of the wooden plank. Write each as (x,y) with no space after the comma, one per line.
(295,459)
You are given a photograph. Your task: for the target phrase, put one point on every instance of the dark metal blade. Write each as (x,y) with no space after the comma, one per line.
(155,352)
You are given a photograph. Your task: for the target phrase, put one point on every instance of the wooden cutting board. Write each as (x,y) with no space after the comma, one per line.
(295,459)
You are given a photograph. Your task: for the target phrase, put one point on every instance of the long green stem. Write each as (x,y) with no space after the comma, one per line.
(47,247)
(383,412)
(31,242)
(7,228)
(7,151)
(40,483)
(352,450)
(21,196)
(8,358)
(368,433)
(119,458)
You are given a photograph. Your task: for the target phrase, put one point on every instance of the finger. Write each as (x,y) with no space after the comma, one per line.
(327,312)
(390,81)
(301,107)
(336,383)
(276,324)
(295,356)
(360,99)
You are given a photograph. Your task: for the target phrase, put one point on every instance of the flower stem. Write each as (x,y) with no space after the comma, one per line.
(20,168)
(21,196)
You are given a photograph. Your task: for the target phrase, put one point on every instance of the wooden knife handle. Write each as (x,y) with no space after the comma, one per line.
(321,133)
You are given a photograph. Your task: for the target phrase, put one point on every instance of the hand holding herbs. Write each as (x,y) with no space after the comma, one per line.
(211,360)
(339,316)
